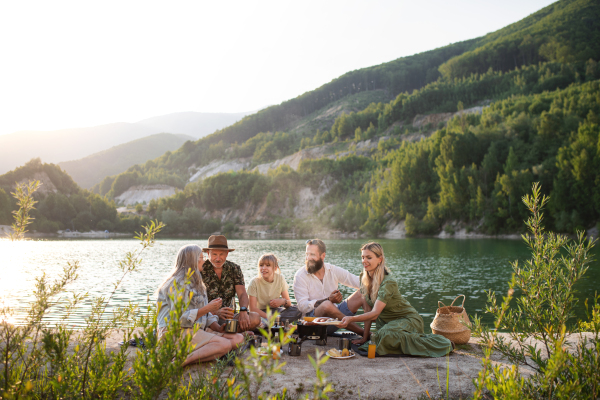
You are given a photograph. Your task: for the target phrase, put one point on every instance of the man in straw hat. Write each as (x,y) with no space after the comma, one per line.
(224,279)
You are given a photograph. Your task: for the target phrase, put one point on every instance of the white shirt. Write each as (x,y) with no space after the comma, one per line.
(309,289)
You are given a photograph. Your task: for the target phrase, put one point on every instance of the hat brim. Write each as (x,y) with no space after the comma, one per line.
(206,249)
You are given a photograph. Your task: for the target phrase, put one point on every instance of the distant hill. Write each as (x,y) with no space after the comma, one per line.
(195,124)
(74,143)
(90,170)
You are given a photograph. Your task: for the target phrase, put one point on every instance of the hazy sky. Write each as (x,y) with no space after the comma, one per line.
(82,63)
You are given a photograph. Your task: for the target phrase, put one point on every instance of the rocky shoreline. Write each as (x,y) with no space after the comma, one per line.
(263,232)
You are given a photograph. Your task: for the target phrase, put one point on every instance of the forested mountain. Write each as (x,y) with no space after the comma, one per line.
(565,33)
(62,204)
(90,170)
(537,86)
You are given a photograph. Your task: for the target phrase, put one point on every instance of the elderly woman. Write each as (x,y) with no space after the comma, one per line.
(209,342)
(399,326)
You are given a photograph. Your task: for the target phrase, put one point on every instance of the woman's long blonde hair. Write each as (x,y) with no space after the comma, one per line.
(187,259)
(372,283)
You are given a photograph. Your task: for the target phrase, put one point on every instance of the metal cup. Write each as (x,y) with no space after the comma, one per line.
(256,341)
(344,343)
(231,326)
(294,348)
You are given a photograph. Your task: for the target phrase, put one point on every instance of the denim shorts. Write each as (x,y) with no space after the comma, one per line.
(343,307)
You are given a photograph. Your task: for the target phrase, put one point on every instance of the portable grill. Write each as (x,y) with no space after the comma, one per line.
(318,333)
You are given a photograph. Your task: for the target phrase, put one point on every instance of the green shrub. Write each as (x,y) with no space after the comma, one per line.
(538,324)
(105,225)
(46,226)
(84,221)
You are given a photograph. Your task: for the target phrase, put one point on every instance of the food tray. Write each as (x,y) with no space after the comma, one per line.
(352,354)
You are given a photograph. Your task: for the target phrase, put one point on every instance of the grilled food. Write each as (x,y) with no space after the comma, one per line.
(335,353)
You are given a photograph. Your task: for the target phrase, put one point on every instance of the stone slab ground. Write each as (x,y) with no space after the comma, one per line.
(379,378)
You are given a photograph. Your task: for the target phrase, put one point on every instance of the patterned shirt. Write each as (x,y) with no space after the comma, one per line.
(224,288)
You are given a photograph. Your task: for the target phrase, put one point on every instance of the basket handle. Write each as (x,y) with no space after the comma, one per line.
(442,304)
(463,303)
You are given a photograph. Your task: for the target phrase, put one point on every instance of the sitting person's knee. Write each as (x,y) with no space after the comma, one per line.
(238,339)
(254,320)
(226,346)
(325,308)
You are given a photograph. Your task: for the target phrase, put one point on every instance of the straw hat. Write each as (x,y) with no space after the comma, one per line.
(217,242)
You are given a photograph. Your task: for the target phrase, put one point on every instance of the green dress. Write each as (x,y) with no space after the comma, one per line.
(400,327)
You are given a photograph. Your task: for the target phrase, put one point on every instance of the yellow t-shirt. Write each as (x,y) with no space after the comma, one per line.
(265,291)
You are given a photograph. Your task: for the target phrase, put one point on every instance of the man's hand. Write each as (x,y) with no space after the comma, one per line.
(244,320)
(335,297)
(214,305)
(277,303)
(225,313)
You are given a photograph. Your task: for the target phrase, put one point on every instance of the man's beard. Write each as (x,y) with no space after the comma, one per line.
(314,266)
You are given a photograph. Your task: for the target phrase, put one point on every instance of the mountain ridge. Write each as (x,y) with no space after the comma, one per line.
(74,143)
(90,170)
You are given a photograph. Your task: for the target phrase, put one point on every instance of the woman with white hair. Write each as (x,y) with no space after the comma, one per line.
(210,342)
(399,325)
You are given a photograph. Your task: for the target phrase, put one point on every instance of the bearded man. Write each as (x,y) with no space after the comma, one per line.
(316,287)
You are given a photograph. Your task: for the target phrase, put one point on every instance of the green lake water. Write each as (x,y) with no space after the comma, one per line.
(428,270)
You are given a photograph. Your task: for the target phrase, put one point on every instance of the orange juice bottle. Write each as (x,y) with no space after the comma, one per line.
(372,348)
(276,352)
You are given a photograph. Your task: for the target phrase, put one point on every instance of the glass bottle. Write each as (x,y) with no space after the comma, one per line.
(372,348)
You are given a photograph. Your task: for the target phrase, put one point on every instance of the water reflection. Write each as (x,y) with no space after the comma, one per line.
(428,270)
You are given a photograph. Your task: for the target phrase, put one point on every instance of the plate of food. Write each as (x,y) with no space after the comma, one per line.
(340,354)
(264,350)
(326,321)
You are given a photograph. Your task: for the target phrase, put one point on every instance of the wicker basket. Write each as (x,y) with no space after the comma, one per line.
(452,322)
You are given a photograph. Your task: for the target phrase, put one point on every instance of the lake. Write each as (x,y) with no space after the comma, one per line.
(427,270)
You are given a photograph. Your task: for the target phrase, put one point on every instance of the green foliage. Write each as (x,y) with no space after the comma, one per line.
(59,362)
(67,207)
(593,325)
(479,167)
(565,31)
(61,181)
(24,195)
(537,326)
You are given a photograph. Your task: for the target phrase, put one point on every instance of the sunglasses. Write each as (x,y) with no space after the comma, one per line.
(313,241)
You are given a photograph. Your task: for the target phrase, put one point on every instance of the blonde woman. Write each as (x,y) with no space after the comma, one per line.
(399,326)
(209,342)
